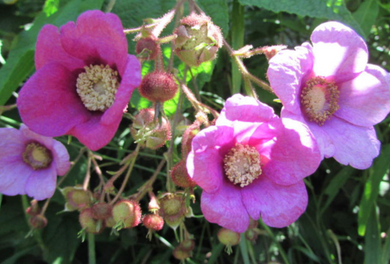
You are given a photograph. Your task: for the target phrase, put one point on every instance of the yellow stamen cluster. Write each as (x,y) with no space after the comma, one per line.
(37,156)
(97,87)
(319,99)
(242,164)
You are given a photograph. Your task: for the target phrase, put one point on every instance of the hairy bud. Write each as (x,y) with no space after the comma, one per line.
(127,213)
(89,223)
(180,176)
(158,86)
(38,221)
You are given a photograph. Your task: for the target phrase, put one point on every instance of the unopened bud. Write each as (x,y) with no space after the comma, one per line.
(101,210)
(188,135)
(158,86)
(38,221)
(76,198)
(127,213)
(228,238)
(180,176)
(153,222)
(89,223)
(181,254)
(173,209)
(148,48)
(33,209)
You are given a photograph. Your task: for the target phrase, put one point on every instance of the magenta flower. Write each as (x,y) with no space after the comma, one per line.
(30,163)
(330,87)
(252,165)
(84,80)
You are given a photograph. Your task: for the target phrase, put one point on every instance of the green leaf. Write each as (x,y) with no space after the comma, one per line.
(366,15)
(218,11)
(326,9)
(372,239)
(20,64)
(371,190)
(335,184)
(386,248)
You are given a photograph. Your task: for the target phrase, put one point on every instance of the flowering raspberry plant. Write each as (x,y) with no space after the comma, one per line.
(30,163)
(83,82)
(330,87)
(255,166)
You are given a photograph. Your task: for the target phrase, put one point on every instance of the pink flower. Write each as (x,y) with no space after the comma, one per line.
(30,163)
(330,87)
(84,80)
(252,165)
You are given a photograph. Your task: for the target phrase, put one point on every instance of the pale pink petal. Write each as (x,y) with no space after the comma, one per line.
(14,173)
(339,51)
(60,158)
(96,38)
(32,136)
(294,155)
(49,49)
(205,162)
(49,104)
(225,208)
(244,109)
(277,205)
(11,143)
(365,100)
(354,145)
(287,73)
(41,184)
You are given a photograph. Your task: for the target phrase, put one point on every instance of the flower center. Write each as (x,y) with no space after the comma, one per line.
(320,99)
(37,156)
(242,164)
(97,87)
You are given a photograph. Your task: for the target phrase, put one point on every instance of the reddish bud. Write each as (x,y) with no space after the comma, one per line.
(158,86)
(127,212)
(89,223)
(188,135)
(148,132)
(173,209)
(153,204)
(271,51)
(153,222)
(33,209)
(198,39)
(38,221)
(148,48)
(101,210)
(180,176)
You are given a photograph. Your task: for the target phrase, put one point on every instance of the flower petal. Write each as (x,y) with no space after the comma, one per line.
(354,145)
(225,208)
(61,158)
(13,175)
(339,51)
(84,39)
(30,135)
(49,104)
(50,49)
(245,109)
(277,205)
(294,155)
(286,73)
(11,143)
(41,184)
(365,100)
(100,128)
(204,162)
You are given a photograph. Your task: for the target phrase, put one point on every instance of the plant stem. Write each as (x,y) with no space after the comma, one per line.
(237,42)
(91,249)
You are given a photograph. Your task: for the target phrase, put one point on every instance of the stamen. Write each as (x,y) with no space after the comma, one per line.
(242,164)
(319,99)
(97,87)
(37,156)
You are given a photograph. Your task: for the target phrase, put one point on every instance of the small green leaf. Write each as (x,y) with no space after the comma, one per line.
(372,240)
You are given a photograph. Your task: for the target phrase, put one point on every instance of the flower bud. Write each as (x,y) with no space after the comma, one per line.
(188,135)
(228,237)
(148,48)
(89,223)
(127,213)
(148,132)
(33,209)
(180,176)
(153,222)
(158,86)
(173,209)
(101,210)
(153,205)
(181,254)
(198,39)
(38,221)
(76,198)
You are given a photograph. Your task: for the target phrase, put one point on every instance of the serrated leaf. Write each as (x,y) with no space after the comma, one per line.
(327,9)
(371,190)
(20,64)
(366,15)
